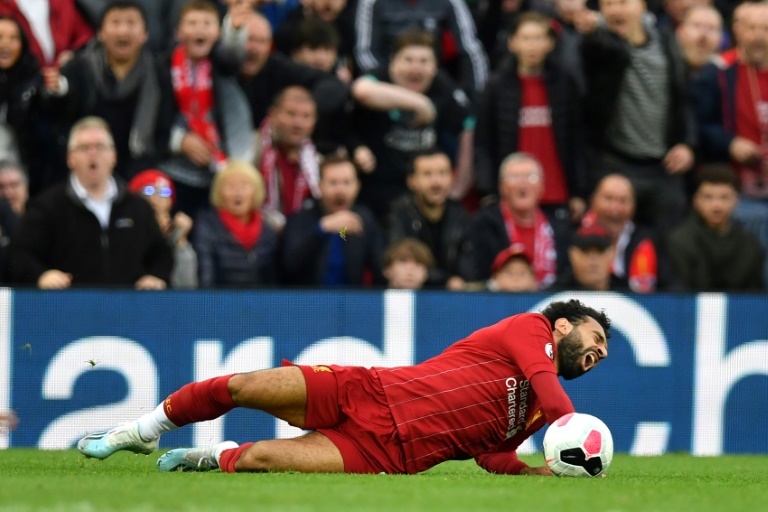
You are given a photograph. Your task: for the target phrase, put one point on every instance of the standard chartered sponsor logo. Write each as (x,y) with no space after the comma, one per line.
(516,416)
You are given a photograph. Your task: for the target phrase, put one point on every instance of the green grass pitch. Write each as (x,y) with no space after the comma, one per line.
(32,480)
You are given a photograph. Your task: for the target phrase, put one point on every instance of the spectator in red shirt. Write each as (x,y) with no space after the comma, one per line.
(481,398)
(531,105)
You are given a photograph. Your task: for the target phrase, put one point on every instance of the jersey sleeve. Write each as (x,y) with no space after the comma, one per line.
(554,401)
(527,340)
(503,460)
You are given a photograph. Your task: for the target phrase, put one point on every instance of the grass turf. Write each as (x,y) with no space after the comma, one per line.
(32,480)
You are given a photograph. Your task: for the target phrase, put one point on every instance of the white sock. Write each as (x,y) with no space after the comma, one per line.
(221,448)
(154,423)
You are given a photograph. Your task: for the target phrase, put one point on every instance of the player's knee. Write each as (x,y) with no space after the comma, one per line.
(236,386)
(257,458)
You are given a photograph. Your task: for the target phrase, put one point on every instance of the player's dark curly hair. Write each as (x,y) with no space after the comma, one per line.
(576,312)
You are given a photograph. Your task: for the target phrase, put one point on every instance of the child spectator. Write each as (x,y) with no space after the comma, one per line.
(406,264)
(214,121)
(512,271)
(157,188)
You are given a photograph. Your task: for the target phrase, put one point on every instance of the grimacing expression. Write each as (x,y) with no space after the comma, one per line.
(581,350)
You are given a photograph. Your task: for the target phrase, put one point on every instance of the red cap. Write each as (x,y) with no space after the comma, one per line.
(592,236)
(513,251)
(151,178)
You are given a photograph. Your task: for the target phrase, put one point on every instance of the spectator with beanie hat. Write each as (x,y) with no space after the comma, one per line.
(157,188)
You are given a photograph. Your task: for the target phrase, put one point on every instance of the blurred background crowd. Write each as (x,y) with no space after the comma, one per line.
(504,145)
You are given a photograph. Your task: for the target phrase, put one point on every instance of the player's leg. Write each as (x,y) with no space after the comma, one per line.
(278,391)
(311,453)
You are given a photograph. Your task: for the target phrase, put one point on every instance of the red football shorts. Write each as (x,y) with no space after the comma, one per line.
(347,404)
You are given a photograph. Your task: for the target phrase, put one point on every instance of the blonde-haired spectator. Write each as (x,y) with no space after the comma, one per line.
(235,247)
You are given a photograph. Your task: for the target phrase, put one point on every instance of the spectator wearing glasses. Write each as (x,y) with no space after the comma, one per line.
(157,188)
(89,231)
(517,218)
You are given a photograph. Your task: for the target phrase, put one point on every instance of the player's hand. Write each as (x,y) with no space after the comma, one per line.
(333,223)
(196,149)
(149,282)
(540,471)
(54,280)
(678,159)
(364,159)
(744,151)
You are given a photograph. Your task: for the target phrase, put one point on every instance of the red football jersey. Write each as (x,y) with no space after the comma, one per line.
(474,396)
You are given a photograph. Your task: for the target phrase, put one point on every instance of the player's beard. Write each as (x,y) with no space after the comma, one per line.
(570,352)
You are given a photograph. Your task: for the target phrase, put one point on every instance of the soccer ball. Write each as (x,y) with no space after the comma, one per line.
(578,444)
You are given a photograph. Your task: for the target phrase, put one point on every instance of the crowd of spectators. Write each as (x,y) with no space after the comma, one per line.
(501,145)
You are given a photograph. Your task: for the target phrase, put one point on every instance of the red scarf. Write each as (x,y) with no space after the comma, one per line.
(544,250)
(246,234)
(194,96)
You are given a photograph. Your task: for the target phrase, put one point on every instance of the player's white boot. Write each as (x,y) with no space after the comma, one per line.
(193,459)
(101,445)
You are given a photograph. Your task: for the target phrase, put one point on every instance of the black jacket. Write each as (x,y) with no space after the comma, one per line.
(223,262)
(59,232)
(305,249)
(407,221)
(488,237)
(605,57)
(497,129)
(280,72)
(709,261)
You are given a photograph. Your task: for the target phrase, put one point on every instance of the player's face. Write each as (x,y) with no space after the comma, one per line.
(581,349)
(432,179)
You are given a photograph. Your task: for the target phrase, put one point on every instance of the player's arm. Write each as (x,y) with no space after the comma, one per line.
(504,461)
(554,401)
